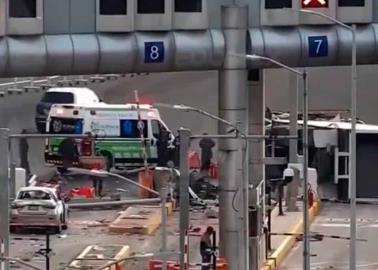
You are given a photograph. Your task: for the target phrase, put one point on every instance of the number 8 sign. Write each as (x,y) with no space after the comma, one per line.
(154,52)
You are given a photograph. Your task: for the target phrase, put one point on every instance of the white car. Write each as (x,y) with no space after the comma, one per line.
(38,207)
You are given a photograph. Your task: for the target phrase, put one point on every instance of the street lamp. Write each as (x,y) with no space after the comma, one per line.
(162,195)
(306,223)
(187,108)
(246,187)
(353,109)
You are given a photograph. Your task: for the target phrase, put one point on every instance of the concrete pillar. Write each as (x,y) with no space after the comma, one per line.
(232,107)
(256,112)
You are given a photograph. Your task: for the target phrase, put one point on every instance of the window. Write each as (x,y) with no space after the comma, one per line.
(155,125)
(23,8)
(151,6)
(275,4)
(188,5)
(129,129)
(351,3)
(58,98)
(34,195)
(113,7)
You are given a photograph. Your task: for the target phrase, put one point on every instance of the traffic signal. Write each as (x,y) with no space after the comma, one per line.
(314,3)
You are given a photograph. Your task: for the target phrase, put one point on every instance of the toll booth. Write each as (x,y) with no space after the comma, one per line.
(25,17)
(332,155)
(115,15)
(191,15)
(153,15)
(355,11)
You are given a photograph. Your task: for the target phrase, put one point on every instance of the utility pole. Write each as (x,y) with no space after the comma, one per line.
(184,136)
(4,197)
(233,106)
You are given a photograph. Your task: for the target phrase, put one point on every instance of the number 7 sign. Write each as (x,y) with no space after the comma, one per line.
(318,46)
(314,3)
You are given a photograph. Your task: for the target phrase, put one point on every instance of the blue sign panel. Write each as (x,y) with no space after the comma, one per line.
(318,46)
(154,52)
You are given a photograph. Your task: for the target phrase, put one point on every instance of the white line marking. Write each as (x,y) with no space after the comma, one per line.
(336,225)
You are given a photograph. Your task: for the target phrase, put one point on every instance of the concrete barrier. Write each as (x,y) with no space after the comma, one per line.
(274,261)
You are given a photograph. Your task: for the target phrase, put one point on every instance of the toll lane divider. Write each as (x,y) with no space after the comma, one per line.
(283,250)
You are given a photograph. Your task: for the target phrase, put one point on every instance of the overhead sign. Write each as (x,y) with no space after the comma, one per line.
(317,46)
(274,4)
(154,52)
(314,3)
(351,3)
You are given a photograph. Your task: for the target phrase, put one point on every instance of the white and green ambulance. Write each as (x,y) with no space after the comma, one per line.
(115,130)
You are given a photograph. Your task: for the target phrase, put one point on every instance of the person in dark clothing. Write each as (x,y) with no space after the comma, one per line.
(206,145)
(162,148)
(24,150)
(206,248)
(68,152)
(97,185)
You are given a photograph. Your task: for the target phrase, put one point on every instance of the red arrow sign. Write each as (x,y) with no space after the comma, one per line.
(314,3)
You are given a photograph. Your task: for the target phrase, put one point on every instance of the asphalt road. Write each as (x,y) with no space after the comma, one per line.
(334,253)
(84,229)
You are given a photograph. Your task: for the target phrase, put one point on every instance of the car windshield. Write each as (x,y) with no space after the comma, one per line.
(58,98)
(34,195)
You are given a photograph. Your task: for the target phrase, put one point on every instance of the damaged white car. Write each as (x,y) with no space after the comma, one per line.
(38,207)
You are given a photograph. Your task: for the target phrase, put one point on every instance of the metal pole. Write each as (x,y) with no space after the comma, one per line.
(163,196)
(353,229)
(12,171)
(293,144)
(47,251)
(184,135)
(306,222)
(4,197)
(245,179)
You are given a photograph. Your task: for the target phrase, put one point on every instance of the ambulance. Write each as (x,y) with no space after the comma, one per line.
(115,130)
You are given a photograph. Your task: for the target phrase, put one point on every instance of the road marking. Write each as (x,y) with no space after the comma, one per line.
(335,225)
(345,225)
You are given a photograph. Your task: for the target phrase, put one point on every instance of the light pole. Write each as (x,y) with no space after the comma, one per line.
(306,223)
(353,141)
(162,195)
(239,134)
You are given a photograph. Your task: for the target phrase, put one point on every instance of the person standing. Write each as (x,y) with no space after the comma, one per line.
(206,248)
(206,145)
(162,148)
(68,152)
